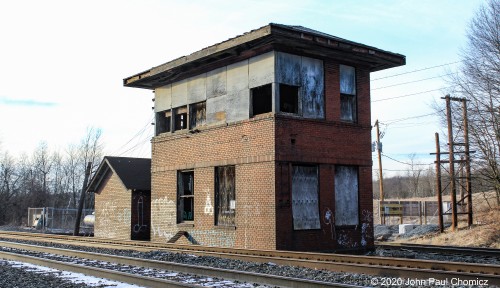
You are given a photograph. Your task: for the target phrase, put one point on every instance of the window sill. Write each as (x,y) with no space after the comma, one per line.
(184,224)
(222,227)
(347,227)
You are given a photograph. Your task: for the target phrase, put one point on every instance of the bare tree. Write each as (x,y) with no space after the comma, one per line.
(478,80)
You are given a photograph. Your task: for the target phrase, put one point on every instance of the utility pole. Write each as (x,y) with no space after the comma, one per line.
(380,179)
(82,200)
(468,175)
(438,183)
(453,188)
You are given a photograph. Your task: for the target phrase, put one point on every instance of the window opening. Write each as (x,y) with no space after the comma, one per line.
(348,93)
(163,120)
(262,99)
(180,118)
(185,196)
(197,114)
(346,196)
(289,99)
(225,196)
(305,206)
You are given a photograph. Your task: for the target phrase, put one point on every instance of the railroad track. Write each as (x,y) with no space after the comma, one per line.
(377,266)
(473,251)
(233,275)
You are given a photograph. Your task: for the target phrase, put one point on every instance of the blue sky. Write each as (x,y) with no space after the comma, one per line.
(62,62)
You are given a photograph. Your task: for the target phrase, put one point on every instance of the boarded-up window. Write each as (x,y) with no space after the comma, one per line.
(305,206)
(198,115)
(348,93)
(185,196)
(289,99)
(180,118)
(225,198)
(346,196)
(163,121)
(262,100)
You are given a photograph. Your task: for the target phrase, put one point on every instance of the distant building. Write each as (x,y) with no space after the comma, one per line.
(122,188)
(264,141)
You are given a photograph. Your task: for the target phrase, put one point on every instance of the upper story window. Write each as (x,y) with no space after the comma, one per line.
(163,121)
(348,101)
(197,114)
(180,118)
(289,98)
(262,100)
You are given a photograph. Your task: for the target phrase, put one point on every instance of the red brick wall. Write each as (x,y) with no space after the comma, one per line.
(249,145)
(112,209)
(326,143)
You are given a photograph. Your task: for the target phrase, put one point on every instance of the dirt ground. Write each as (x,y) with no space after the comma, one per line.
(485,231)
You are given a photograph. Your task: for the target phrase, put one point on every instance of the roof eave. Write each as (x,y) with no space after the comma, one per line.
(310,41)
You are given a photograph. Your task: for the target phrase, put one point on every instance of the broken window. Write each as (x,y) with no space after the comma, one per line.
(262,99)
(197,114)
(180,118)
(305,206)
(185,196)
(348,93)
(289,99)
(346,196)
(225,198)
(163,121)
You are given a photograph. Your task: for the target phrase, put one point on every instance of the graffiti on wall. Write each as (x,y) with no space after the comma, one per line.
(366,233)
(140,225)
(213,238)
(163,218)
(209,208)
(329,220)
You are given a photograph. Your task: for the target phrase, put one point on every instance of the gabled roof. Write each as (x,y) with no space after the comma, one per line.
(292,39)
(135,173)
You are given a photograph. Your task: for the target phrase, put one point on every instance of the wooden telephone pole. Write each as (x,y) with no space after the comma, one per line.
(451,161)
(380,177)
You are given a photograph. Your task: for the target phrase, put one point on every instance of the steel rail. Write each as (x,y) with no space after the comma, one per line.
(475,251)
(317,260)
(250,277)
(373,268)
(96,272)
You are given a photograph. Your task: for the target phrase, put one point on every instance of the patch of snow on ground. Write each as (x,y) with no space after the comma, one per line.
(73,277)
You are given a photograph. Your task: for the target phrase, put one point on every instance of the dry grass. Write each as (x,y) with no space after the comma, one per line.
(485,232)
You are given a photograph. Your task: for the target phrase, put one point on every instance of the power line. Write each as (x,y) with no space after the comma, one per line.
(409,164)
(414,81)
(408,95)
(389,122)
(413,71)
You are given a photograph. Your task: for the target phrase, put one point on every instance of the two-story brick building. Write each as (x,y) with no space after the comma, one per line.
(264,141)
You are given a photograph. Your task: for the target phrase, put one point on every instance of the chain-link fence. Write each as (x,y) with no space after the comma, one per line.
(57,220)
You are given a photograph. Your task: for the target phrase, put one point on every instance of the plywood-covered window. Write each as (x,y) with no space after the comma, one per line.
(225,196)
(163,121)
(348,101)
(305,206)
(346,196)
(197,114)
(289,98)
(261,99)
(185,196)
(180,118)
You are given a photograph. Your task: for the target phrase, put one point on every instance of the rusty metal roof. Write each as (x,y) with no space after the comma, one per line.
(135,173)
(292,39)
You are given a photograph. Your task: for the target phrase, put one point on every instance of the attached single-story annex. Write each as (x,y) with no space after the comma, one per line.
(122,188)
